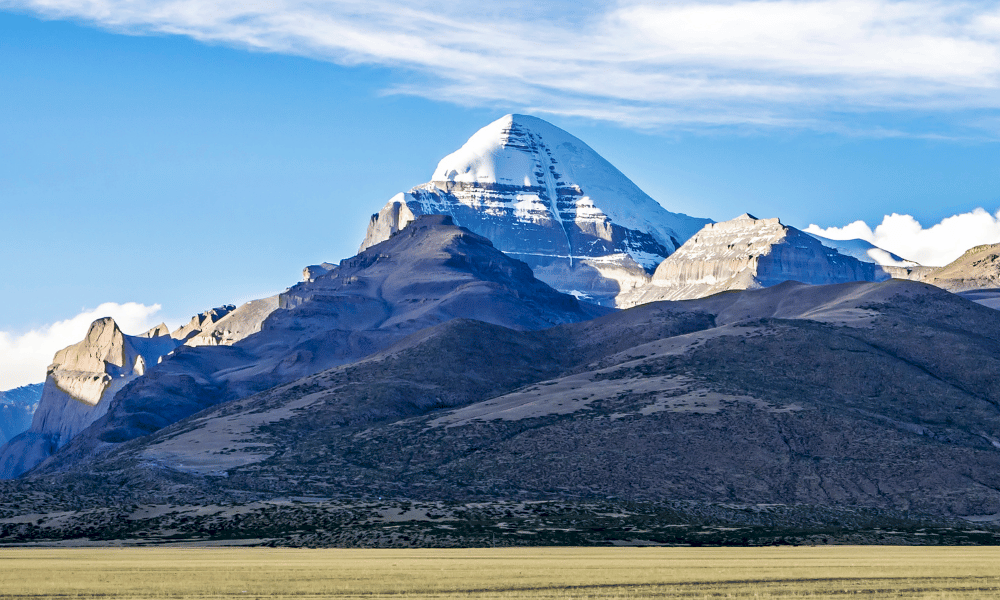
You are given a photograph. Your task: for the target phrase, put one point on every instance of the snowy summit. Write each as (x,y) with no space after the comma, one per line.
(547,198)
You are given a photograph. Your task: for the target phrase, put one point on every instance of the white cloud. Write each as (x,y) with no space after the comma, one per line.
(935,246)
(25,357)
(797,63)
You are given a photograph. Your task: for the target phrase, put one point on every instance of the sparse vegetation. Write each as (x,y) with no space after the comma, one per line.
(714,438)
(419,524)
(816,572)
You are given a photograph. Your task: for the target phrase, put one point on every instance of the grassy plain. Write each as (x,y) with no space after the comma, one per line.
(783,572)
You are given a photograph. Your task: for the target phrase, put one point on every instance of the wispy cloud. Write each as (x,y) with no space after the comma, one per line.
(767,63)
(25,357)
(933,246)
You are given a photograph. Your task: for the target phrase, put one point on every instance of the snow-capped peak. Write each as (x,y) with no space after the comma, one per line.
(865,252)
(545,197)
(527,152)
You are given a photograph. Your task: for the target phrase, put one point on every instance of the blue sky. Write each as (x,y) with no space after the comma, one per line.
(187,154)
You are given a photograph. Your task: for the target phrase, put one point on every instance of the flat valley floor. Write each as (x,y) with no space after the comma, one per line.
(778,572)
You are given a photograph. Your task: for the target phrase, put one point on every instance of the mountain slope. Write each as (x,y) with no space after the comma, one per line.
(978,268)
(83,378)
(545,197)
(428,274)
(877,395)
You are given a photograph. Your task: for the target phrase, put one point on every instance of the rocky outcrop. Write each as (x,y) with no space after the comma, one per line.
(91,371)
(84,378)
(202,322)
(391,218)
(544,197)
(233,325)
(749,253)
(914,273)
(78,388)
(311,272)
(158,331)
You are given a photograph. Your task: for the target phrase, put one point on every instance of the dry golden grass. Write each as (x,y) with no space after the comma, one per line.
(817,572)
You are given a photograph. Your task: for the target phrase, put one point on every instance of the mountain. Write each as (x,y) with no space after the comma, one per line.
(16,408)
(874,396)
(978,268)
(78,386)
(427,274)
(867,252)
(544,197)
(83,378)
(975,275)
(747,253)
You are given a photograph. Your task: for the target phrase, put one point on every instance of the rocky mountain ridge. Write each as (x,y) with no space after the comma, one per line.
(544,197)
(78,387)
(743,253)
(84,378)
(430,273)
(870,395)
(978,268)
(749,253)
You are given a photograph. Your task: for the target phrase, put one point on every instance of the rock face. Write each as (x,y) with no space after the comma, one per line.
(546,198)
(429,273)
(78,387)
(749,253)
(229,324)
(203,321)
(16,408)
(83,378)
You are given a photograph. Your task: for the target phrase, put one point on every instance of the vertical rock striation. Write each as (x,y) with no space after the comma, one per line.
(544,197)
(84,378)
(78,387)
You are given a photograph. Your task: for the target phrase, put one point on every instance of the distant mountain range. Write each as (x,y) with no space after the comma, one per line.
(873,394)
(545,197)
(757,365)
(16,408)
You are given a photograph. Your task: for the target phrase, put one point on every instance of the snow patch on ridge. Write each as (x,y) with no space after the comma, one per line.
(544,196)
(525,151)
(864,251)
